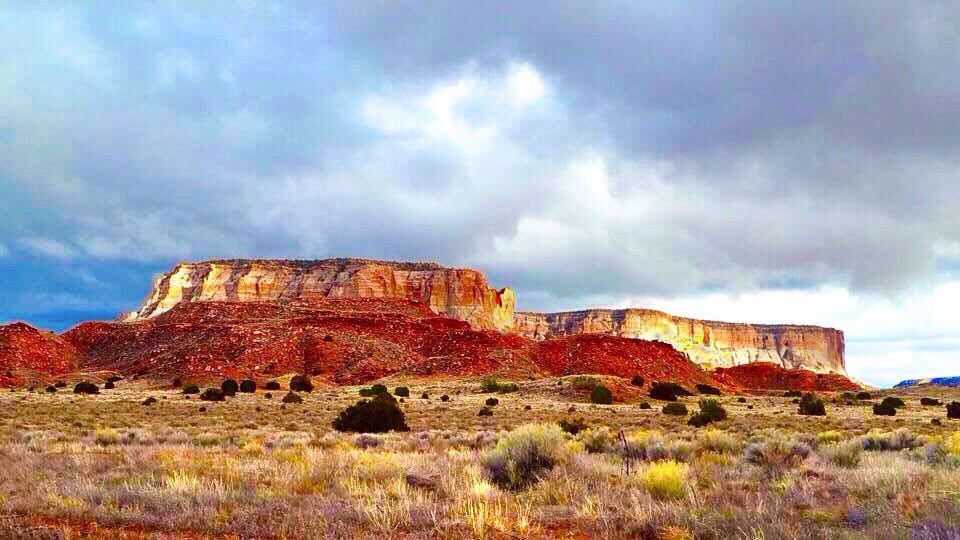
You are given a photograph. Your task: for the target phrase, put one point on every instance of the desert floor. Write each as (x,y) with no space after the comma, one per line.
(110,466)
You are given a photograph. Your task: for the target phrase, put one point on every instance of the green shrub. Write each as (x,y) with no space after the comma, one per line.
(844,454)
(644,405)
(667,391)
(191,389)
(271,385)
(523,456)
(212,394)
(85,387)
(149,401)
(51,389)
(893,401)
(106,386)
(114,379)
(601,395)
(710,411)
(248,386)
(301,383)
(953,409)
(864,396)
(424,396)
(741,399)
(229,387)
(485,411)
(596,440)
(884,409)
(791,393)
(490,384)
(573,426)
(675,409)
(292,397)
(636,380)
(60,384)
(492,402)
(811,405)
(930,402)
(401,391)
(901,439)
(444,398)
(708,390)
(378,415)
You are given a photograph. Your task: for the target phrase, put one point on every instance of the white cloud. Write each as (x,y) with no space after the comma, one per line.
(48,247)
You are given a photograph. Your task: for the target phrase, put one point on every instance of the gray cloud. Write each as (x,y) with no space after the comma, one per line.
(673,148)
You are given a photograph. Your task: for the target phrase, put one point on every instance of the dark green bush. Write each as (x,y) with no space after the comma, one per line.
(109,385)
(811,405)
(229,387)
(708,390)
(301,383)
(884,409)
(424,396)
(149,401)
(573,426)
(191,389)
(644,405)
(378,415)
(212,394)
(675,409)
(60,384)
(741,400)
(953,409)
(373,390)
(248,386)
(636,380)
(930,402)
(792,393)
(51,389)
(492,402)
(444,398)
(601,395)
(401,391)
(864,396)
(713,410)
(271,385)
(114,379)
(667,391)
(292,397)
(85,387)
(893,401)
(485,411)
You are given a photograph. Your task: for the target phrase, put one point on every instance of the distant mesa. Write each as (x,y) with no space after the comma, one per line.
(350,321)
(938,381)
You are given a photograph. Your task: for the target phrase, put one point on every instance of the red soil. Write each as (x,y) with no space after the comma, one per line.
(768,376)
(350,341)
(28,354)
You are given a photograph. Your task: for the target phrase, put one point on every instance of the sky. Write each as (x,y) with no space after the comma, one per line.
(733,160)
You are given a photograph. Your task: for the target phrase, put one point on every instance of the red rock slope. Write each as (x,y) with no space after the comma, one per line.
(28,354)
(767,376)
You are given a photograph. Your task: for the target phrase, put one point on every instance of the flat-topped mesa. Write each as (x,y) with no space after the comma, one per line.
(460,293)
(708,343)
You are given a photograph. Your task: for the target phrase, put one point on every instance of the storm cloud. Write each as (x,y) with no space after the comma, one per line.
(580,152)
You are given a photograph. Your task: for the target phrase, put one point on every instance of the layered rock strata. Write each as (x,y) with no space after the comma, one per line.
(708,343)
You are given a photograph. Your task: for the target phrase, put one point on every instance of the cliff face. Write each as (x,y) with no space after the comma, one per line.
(457,292)
(710,344)
(464,294)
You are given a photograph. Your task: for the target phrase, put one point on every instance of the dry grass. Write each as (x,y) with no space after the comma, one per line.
(107,465)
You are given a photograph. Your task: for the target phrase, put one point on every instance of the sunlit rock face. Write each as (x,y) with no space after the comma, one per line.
(708,343)
(460,293)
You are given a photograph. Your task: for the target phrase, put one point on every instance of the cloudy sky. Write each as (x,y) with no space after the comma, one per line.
(756,161)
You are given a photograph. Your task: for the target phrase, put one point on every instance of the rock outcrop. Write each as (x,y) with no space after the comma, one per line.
(708,343)
(936,381)
(460,293)
(466,295)
(29,354)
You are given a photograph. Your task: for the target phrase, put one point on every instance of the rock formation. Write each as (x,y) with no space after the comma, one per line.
(464,294)
(708,343)
(28,354)
(936,381)
(460,293)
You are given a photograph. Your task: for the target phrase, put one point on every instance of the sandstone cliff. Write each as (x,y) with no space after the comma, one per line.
(457,292)
(464,294)
(708,343)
